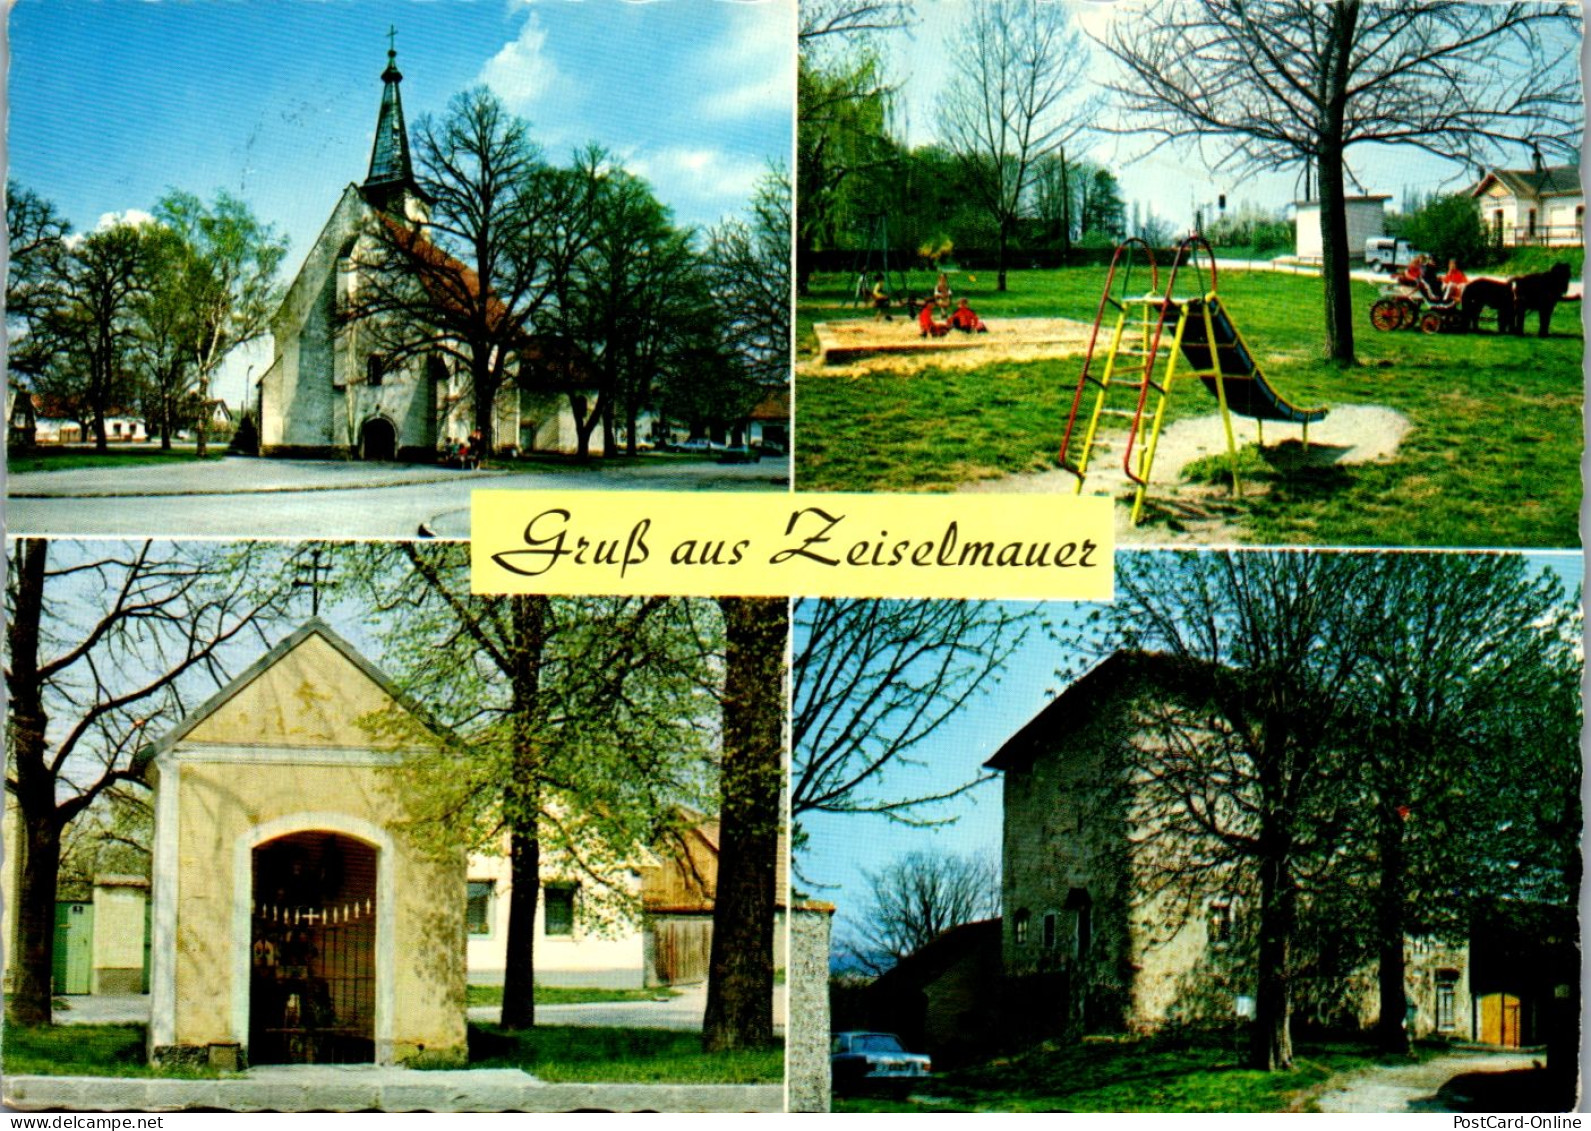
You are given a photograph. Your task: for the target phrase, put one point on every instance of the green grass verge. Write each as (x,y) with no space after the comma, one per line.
(85,1050)
(572,995)
(74,459)
(637,1056)
(1130,1076)
(1492,457)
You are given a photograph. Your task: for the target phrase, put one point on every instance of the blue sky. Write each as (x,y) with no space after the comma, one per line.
(841,849)
(113,102)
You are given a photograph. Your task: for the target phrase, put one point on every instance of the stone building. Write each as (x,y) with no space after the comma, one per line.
(330,391)
(1095,938)
(293,920)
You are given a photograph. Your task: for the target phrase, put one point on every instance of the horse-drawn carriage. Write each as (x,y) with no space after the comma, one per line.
(1405,306)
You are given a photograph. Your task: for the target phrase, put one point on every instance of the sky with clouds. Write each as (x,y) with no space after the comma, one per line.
(113,102)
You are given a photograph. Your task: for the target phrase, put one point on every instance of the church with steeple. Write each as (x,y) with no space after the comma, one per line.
(330,392)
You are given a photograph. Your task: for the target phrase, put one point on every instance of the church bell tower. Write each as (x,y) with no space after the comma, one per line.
(390,185)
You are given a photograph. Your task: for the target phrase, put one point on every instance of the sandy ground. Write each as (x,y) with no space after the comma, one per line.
(1414,1087)
(1008,340)
(1350,434)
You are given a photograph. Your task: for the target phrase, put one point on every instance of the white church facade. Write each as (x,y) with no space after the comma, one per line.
(330,392)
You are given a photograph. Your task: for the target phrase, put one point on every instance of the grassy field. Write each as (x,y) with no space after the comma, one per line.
(1492,457)
(1136,1077)
(640,1056)
(84,1050)
(571,995)
(74,458)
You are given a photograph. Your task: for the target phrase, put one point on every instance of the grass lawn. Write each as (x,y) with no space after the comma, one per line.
(552,1053)
(571,995)
(76,458)
(1135,1076)
(1492,457)
(639,1056)
(85,1050)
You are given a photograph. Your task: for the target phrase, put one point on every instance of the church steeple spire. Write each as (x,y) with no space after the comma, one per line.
(390,170)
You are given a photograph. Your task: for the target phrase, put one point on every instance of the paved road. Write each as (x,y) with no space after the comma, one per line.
(254,498)
(682,1012)
(1414,1087)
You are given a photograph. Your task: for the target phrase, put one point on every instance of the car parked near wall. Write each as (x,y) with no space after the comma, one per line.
(861,1060)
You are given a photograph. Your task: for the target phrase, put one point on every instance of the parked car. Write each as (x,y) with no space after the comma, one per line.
(741,454)
(697,445)
(860,1061)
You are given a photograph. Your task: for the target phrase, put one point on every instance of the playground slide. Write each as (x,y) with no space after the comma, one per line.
(1247,391)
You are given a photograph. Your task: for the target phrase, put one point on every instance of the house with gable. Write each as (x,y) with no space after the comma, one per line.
(1544,205)
(1095,938)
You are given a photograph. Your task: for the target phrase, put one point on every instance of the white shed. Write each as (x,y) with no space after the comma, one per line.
(1366,221)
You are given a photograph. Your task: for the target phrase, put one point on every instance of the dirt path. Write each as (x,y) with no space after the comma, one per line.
(1414,1087)
(1350,434)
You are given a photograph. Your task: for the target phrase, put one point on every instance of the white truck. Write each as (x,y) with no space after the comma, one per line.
(1384,253)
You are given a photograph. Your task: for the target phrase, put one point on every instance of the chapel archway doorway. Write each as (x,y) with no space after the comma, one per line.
(312,951)
(378,440)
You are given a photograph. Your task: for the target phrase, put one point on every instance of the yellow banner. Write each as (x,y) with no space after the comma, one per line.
(679,543)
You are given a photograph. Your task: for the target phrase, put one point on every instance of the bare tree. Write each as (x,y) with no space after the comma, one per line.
(36,240)
(873,680)
(1011,101)
(470,280)
(750,265)
(739,1011)
(849,18)
(1278,83)
(101,647)
(916,899)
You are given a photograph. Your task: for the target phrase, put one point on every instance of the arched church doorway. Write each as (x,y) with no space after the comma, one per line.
(312,951)
(378,440)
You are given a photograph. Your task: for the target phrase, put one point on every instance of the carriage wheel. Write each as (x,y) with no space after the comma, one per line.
(1432,322)
(1386,313)
(1411,314)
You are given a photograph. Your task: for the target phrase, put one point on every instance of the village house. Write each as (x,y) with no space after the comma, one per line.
(1544,205)
(1094,938)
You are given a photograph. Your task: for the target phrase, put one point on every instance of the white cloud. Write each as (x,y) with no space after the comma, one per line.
(523,72)
(132,218)
(701,185)
(750,69)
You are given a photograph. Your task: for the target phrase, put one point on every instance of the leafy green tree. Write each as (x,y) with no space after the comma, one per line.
(227,280)
(581,726)
(1469,656)
(79,345)
(1449,227)
(1102,212)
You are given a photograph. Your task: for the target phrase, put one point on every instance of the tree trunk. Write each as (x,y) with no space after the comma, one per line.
(1333,194)
(1001,242)
(483,394)
(519,959)
(1272,1044)
(522,804)
(34,790)
(740,976)
(1391,1035)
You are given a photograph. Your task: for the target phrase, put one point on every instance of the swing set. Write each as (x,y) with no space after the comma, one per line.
(1204,339)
